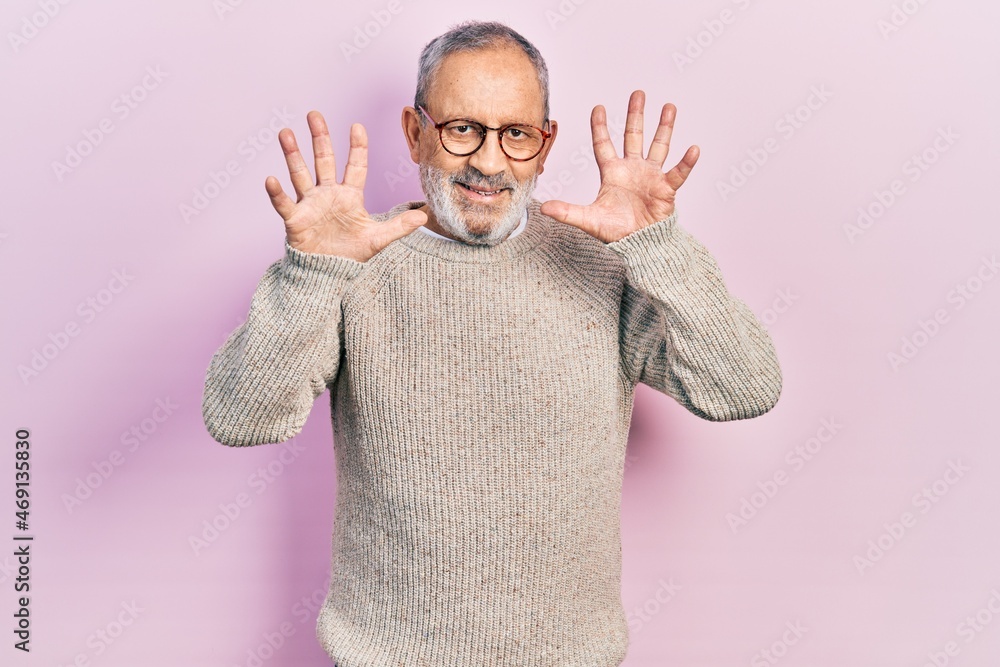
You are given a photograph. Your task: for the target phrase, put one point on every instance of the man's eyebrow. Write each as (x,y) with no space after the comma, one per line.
(506,120)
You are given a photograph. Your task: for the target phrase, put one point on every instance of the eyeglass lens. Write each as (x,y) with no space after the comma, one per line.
(518,141)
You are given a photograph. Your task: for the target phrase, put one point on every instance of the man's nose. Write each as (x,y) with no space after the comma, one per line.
(490,158)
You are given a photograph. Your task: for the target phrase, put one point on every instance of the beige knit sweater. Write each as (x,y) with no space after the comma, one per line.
(481,399)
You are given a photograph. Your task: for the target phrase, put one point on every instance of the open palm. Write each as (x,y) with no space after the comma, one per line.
(634,191)
(328,217)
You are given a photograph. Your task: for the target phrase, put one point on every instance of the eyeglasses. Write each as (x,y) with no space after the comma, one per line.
(462,137)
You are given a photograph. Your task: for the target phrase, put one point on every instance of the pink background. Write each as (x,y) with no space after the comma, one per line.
(836,307)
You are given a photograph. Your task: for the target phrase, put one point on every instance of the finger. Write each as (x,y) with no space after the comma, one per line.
(604,150)
(633,125)
(661,140)
(326,163)
(297,169)
(570,214)
(396,228)
(408,221)
(679,174)
(357,158)
(281,202)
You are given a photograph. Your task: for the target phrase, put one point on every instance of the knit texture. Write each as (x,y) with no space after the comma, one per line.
(481,399)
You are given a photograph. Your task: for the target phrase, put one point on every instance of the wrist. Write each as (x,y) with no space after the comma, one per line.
(330,250)
(336,264)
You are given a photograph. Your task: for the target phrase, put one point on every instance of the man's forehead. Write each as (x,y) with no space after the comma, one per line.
(488,103)
(491,85)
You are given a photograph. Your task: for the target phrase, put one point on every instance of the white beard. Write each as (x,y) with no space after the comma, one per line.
(466,221)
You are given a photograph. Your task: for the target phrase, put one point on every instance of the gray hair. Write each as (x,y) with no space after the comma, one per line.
(471,36)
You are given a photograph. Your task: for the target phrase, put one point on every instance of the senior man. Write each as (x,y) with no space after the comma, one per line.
(481,350)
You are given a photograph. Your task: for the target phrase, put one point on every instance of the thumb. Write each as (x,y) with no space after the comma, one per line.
(400,226)
(570,214)
(407,221)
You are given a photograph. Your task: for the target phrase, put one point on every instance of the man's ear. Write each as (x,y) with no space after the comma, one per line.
(411,130)
(554,129)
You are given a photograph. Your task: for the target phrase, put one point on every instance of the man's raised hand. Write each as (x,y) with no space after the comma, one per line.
(327,217)
(634,191)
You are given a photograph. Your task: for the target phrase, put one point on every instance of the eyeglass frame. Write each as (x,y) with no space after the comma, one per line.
(482,137)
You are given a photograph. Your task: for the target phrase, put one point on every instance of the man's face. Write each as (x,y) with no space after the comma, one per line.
(494,86)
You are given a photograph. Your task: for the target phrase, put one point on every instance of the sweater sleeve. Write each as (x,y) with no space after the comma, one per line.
(261,384)
(683,334)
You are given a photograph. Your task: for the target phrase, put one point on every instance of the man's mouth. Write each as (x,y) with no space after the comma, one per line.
(481,192)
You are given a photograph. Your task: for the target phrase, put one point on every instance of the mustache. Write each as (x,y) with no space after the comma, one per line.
(473,176)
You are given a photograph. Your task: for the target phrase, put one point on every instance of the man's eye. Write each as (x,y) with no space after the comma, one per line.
(515,133)
(462,129)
